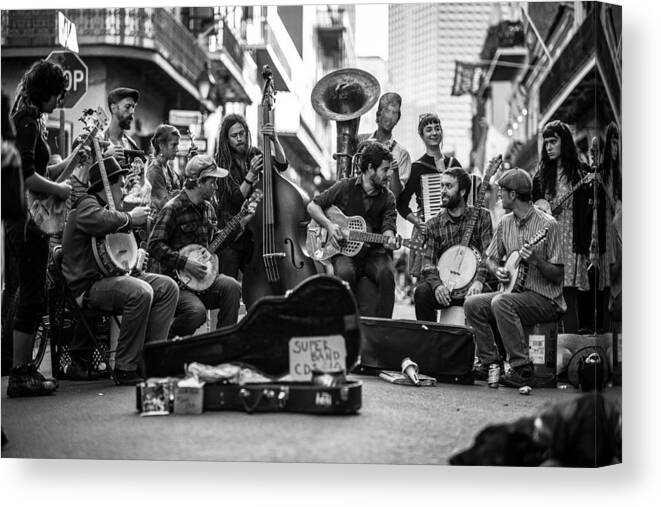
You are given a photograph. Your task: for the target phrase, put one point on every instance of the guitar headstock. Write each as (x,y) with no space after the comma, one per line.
(250,204)
(268,92)
(415,244)
(94,119)
(492,168)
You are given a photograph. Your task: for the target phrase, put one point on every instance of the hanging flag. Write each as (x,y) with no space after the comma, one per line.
(467,78)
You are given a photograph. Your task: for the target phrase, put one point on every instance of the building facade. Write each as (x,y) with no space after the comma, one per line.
(425,40)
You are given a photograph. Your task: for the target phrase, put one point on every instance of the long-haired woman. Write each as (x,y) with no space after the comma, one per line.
(559,170)
(39,92)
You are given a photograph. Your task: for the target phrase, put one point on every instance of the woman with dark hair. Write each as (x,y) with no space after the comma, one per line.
(164,180)
(432,162)
(39,91)
(559,170)
(611,168)
(234,152)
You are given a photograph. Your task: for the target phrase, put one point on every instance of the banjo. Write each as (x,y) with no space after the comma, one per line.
(355,235)
(207,256)
(517,267)
(116,254)
(49,213)
(458,265)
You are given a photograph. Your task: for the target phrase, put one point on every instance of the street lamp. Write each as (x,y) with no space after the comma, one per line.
(205,82)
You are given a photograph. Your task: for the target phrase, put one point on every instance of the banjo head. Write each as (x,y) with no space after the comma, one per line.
(457,267)
(199,254)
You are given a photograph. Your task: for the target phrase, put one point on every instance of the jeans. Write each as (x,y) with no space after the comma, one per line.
(29,249)
(510,312)
(378,268)
(426,303)
(146,303)
(224,294)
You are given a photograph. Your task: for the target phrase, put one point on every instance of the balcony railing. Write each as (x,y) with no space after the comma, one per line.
(152,29)
(506,34)
(232,46)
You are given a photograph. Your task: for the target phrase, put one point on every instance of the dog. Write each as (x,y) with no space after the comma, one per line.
(583,432)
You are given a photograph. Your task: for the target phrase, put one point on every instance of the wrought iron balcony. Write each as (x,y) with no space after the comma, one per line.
(506,34)
(155,30)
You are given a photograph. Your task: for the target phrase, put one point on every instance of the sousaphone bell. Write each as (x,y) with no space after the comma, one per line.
(344,96)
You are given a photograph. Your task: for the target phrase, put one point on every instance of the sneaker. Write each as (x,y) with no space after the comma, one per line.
(27,381)
(127,377)
(520,376)
(481,371)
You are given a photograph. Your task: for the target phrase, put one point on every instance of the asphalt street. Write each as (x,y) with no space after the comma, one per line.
(396,425)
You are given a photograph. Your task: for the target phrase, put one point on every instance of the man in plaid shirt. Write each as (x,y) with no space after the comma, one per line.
(190,218)
(444,231)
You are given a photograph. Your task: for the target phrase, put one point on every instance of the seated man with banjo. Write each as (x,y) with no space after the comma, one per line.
(184,240)
(98,252)
(531,278)
(453,265)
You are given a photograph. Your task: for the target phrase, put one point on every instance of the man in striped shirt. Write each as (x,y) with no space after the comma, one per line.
(445,230)
(540,300)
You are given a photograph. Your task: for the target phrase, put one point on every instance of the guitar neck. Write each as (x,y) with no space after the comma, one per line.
(479,200)
(561,200)
(66,172)
(366,237)
(226,231)
(104,175)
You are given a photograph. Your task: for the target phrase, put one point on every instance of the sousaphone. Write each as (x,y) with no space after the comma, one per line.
(344,96)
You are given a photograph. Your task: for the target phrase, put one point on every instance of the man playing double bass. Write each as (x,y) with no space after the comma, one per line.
(146,301)
(245,163)
(366,195)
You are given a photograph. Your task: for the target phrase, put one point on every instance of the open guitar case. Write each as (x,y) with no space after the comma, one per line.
(319,306)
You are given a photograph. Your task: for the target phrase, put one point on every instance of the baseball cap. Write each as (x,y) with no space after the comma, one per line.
(121,93)
(203,166)
(516,179)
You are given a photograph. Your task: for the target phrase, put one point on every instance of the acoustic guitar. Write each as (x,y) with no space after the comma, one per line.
(554,207)
(49,213)
(517,267)
(458,265)
(207,256)
(355,235)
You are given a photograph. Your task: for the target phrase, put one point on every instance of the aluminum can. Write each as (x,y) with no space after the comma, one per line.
(494,375)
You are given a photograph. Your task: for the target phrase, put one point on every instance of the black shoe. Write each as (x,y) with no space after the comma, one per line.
(481,371)
(127,378)
(520,376)
(27,381)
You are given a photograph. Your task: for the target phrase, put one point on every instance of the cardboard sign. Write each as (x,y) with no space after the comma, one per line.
(307,353)
(537,348)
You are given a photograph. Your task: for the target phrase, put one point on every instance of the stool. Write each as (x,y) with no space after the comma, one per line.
(543,343)
(85,326)
(452,316)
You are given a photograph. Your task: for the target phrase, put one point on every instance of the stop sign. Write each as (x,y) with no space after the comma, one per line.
(75,72)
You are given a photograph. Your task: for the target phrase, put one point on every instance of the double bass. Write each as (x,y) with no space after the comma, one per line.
(278,261)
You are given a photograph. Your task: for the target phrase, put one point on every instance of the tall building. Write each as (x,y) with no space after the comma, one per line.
(424,42)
